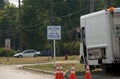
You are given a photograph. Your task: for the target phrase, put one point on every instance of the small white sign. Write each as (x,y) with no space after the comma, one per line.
(54,32)
(7,44)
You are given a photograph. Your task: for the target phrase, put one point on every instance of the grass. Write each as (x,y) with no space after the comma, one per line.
(66,66)
(49,67)
(13,60)
(79,68)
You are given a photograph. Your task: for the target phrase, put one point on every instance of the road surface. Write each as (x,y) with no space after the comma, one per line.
(97,75)
(13,72)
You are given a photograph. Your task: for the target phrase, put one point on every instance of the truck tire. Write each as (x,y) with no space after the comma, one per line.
(107,69)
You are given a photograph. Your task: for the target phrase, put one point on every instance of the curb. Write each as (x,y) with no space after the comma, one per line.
(43,71)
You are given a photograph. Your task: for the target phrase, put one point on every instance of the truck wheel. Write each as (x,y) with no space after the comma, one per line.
(106,69)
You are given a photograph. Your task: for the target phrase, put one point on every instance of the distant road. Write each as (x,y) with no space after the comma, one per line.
(12,72)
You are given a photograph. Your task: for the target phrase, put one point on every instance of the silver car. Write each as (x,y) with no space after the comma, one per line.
(27,53)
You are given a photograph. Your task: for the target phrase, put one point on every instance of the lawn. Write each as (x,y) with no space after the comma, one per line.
(48,67)
(66,66)
(13,60)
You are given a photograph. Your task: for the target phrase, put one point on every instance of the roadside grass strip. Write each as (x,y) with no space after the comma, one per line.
(29,60)
(50,67)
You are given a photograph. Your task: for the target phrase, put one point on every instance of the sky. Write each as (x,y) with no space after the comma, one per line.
(14,2)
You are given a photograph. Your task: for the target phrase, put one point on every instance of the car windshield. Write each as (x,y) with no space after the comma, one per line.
(29,51)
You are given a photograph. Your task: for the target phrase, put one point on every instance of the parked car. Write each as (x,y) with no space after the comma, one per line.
(45,53)
(27,53)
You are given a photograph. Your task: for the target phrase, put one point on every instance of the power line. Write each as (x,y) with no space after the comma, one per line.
(71,14)
(20,26)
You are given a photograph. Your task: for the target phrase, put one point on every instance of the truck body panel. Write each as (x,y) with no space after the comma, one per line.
(102,37)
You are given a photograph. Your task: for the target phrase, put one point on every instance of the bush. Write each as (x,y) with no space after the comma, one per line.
(71,48)
(5,53)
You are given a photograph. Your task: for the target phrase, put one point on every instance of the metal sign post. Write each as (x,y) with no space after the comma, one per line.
(54,33)
(54,54)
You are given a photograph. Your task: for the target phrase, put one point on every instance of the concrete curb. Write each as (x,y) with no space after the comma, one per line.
(46,72)
(43,71)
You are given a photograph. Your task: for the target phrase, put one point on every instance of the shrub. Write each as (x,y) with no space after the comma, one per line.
(71,48)
(5,53)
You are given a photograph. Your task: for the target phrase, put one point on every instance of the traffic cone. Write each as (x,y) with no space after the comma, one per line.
(61,72)
(88,74)
(57,74)
(72,72)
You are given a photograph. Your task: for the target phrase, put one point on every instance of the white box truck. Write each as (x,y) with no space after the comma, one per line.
(100,45)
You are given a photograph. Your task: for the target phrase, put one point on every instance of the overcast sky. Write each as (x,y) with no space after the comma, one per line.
(14,2)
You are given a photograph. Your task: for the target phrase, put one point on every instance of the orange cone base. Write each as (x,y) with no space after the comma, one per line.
(57,76)
(61,76)
(88,76)
(72,76)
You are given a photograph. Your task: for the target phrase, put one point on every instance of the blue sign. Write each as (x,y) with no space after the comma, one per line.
(54,32)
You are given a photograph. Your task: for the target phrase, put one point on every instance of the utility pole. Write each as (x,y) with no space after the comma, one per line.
(52,22)
(51,11)
(20,25)
(91,6)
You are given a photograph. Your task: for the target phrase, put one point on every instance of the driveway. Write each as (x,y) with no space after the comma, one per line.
(12,72)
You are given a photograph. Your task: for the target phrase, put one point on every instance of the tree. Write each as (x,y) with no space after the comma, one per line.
(116,3)
(7,23)
(68,11)
(2,4)
(99,5)
(35,18)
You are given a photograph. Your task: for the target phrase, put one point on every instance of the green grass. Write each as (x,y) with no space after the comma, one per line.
(66,66)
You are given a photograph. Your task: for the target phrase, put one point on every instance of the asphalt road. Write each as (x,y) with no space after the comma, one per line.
(97,75)
(12,72)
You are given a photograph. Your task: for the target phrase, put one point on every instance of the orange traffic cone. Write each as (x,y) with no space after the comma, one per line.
(88,74)
(57,74)
(72,72)
(61,72)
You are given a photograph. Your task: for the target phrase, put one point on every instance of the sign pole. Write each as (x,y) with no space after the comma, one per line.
(54,53)
(7,46)
(54,33)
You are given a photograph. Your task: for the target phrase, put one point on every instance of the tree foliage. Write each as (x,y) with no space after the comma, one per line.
(7,24)
(2,4)
(36,16)
(116,3)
